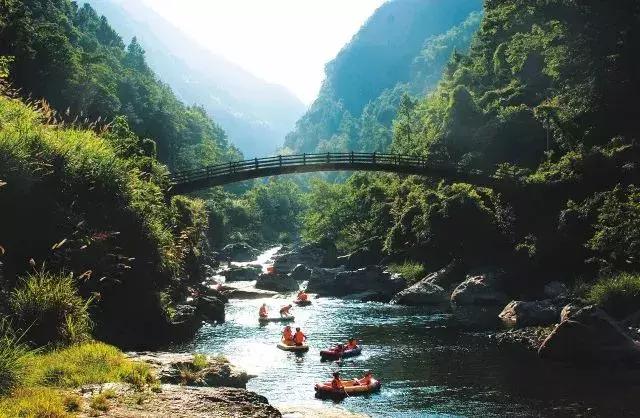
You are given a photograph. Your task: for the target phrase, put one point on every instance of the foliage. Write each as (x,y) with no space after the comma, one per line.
(266,214)
(411,271)
(49,311)
(618,295)
(12,355)
(71,57)
(106,220)
(48,377)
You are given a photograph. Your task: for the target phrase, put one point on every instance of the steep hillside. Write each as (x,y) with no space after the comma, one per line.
(73,59)
(402,48)
(545,98)
(256,115)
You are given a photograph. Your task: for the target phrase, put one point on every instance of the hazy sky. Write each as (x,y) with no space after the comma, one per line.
(286,42)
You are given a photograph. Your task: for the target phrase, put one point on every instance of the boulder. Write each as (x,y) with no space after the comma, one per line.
(242,273)
(210,291)
(277,283)
(240,252)
(312,256)
(447,277)
(590,335)
(301,273)
(535,313)
(568,311)
(556,290)
(373,281)
(422,293)
(478,290)
(360,258)
(211,309)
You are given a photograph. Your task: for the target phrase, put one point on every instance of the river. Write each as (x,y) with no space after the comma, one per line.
(429,364)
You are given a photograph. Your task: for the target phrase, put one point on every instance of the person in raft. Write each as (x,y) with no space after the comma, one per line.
(287,335)
(336,383)
(339,349)
(302,295)
(263,311)
(299,338)
(352,344)
(365,380)
(284,311)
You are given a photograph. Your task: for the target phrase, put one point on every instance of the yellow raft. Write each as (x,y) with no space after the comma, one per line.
(296,348)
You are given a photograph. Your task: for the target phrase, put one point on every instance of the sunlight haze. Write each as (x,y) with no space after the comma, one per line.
(285,42)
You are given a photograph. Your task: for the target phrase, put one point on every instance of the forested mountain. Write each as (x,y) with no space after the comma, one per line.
(545,98)
(402,48)
(72,58)
(255,114)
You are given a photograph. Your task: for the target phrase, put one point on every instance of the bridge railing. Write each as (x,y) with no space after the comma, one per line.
(296,160)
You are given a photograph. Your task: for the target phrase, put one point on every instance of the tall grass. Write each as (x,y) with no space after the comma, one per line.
(618,295)
(12,355)
(411,271)
(49,310)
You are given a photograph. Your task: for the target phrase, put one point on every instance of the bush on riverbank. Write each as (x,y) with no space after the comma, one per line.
(619,295)
(48,308)
(411,271)
(12,353)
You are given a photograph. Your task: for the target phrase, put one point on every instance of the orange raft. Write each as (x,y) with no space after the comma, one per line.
(350,389)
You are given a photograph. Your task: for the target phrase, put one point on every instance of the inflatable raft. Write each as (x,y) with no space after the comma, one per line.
(277,319)
(332,354)
(302,302)
(324,390)
(295,348)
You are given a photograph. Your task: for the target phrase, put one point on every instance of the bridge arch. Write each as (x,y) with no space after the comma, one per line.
(226,173)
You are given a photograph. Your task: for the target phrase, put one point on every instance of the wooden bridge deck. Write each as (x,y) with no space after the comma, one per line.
(232,172)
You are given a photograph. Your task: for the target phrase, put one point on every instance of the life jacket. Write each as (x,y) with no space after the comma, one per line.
(263,311)
(284,309)
(302,296)
(336,383)
(351,346)
(299,337)
(287,334)
(365,381)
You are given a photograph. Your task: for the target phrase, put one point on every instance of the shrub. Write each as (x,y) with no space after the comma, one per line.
(12,354)
(50,311)
(200,361)
(411,271)
(89,363)
(619,295)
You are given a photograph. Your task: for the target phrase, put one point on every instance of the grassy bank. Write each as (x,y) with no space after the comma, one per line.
(43,384)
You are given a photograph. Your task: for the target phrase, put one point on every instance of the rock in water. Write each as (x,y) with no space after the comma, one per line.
(312,256)
(372,282)
(525,314)
(422,293)
(277,283)
(211,309)
(590,335)
(478,290)
(301,273)
(240,252)
(242,274)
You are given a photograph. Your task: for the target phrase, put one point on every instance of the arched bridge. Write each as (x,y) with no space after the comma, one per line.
(231,172)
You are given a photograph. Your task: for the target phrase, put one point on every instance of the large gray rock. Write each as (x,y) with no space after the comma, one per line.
(372,281)
(277,283)
(478,290)
(568,311)
(240,252)
(242,273)
(590,335)
(556,290)
(311,255)
(535,313)
(211,309)
(301,273)
(360,258)
(422,293)
(448,277)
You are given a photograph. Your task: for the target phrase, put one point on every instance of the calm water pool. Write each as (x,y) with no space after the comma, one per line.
(430,364)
